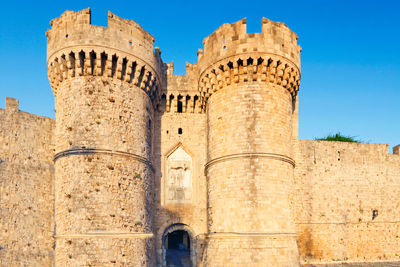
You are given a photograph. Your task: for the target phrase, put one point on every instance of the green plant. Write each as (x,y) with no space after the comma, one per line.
(338,137)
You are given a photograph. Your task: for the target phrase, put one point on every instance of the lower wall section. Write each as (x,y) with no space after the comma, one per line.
(252,251)
(356,264)
(103,204)
(26,208)
(26,188)
(347,203)
(350,242)
(105,251)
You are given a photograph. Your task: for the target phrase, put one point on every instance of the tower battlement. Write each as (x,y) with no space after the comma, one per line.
(231,55)
(123,50)
(232,39)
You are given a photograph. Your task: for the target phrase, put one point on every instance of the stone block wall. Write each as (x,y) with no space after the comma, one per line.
(346,202)
(26,188)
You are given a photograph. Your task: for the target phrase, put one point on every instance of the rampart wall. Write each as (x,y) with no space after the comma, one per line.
(346,202)
(26,188)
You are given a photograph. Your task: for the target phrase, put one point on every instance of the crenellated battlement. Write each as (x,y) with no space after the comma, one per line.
(231,55)
(181,95)
(232,39)
(74,28)
(123,50)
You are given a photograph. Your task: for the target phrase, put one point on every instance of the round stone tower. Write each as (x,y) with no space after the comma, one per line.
(249,83)
(106,81)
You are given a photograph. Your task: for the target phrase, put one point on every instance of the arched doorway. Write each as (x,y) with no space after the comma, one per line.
(178,247)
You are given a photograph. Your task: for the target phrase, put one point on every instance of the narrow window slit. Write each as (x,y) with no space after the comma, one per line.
(123,71)
(103,62)
(92,61)
(114,65)
(148,80)
(72,62)
(171,99)
(180,105)
(140,78)
(195,100)
(163,102)
(187,102)
(133,67)
(269,62)
(82,61)
(374,214)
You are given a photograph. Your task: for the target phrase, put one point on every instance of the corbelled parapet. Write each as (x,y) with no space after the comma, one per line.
(123,50)
(231,55)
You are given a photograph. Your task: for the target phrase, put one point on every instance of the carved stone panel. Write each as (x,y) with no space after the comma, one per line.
(179,187)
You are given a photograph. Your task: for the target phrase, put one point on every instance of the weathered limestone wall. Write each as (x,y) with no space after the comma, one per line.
(26,188)
(188,213)
(106,83)
(337,188)
(103,173)
(249,83)
(249,177)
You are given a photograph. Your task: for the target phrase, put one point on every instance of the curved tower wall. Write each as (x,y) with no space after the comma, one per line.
(105,82)
(249,84)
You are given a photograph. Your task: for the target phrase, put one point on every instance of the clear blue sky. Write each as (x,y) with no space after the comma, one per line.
(350,59)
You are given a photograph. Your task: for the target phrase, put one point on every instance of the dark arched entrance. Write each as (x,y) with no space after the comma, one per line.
(177,240)
(178,247)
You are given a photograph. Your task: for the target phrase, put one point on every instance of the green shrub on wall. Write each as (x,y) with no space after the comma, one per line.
(338,137)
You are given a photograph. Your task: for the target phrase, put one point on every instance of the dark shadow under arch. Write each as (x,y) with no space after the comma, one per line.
(178,246)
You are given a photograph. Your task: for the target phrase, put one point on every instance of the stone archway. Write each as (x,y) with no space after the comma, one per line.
(178,246)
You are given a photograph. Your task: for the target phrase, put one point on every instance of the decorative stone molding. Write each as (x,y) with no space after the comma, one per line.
(89,151)
(107,63)
(249,68)
(250,155)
